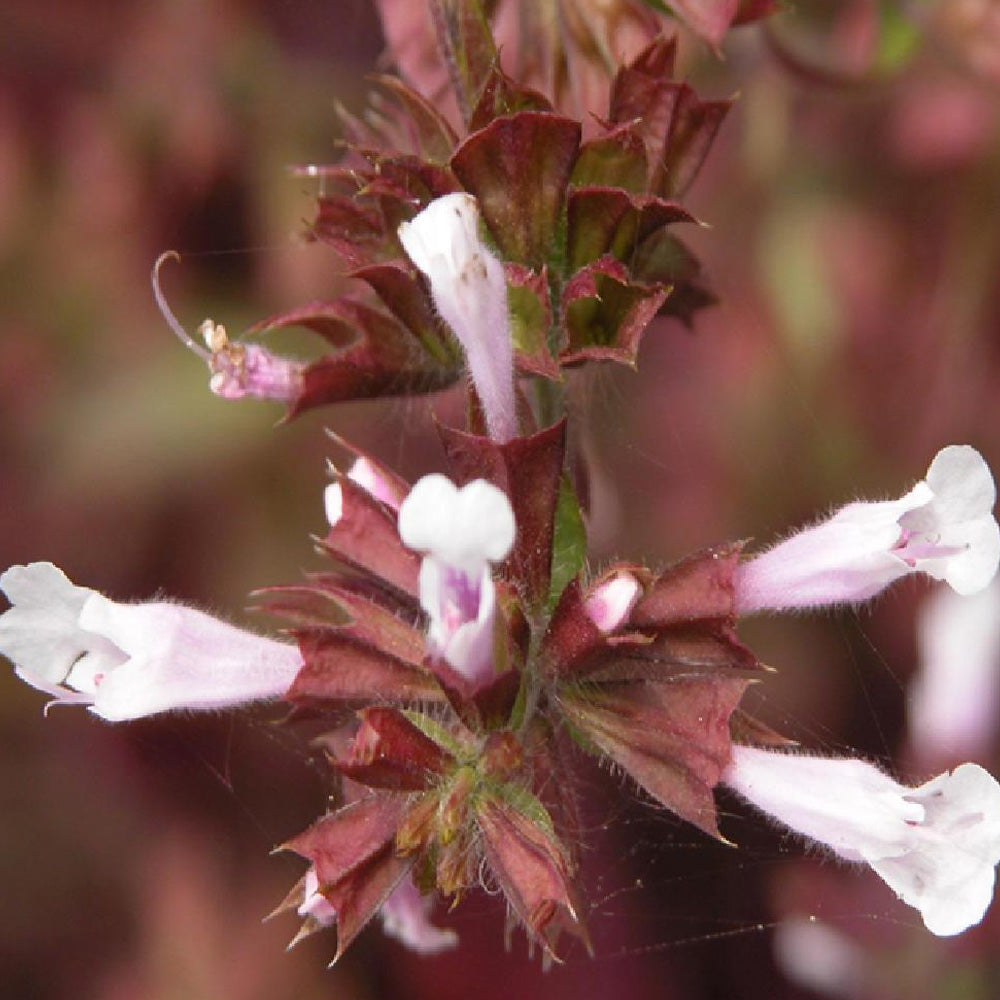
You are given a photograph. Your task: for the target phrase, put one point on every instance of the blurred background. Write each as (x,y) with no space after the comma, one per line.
(852,201)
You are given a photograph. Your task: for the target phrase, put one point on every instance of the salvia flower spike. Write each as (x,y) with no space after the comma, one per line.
(457,635)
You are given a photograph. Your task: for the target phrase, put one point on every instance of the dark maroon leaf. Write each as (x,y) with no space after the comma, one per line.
(636,92)
(533,869)
(530,321)
(571,636)
(528,470)
(605,314)
(675,125)
(342,841)
(672,738)
(389,751)
(359,895)
(356,232)
(606,220)
(518,168)
(361,373)
(694,127)
(699,587)
(433,137)
(366,536)
(337,668)
(397,286)
(414,181)
(616,159)
(324,318)
(709,647)
(355,609)
(503,96)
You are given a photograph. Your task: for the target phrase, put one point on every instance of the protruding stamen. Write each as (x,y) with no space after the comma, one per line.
(166,312)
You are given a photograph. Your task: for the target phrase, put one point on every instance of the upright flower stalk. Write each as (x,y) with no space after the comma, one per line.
(454,650)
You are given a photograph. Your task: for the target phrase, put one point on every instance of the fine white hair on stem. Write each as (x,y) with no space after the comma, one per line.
(167,313)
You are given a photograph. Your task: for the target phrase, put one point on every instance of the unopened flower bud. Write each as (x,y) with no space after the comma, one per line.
(470,292)
(608,605)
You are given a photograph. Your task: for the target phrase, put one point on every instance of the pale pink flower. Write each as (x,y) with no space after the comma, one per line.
(936,846)
(470,292)
(943,527)
(126,661)
(461,533)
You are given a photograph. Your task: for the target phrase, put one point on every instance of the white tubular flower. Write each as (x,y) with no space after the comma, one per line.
(936,846)
(126,661)
(954,703)
(406,917)
(943,527)
(470,292)
(461,531)
(608,605)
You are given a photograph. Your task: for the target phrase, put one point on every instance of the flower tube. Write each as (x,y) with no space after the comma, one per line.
(943,527)
(936,846)
(126,661)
